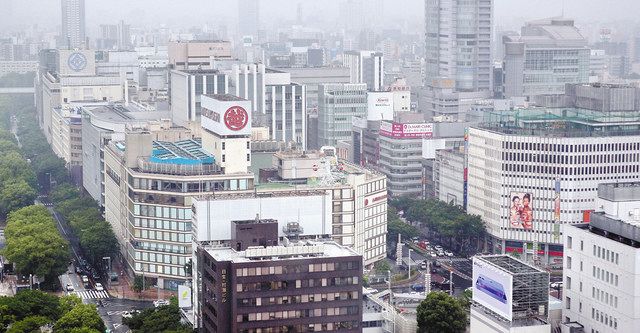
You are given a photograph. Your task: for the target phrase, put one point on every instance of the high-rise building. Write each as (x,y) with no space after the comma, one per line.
(187,87)
(73,24)
(365,67)
(338,104)
(601,258)
(294,286)
(458,42)
(533,171)
(547,54)
(249,17)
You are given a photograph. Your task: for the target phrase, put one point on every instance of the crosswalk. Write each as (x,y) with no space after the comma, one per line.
(91,294)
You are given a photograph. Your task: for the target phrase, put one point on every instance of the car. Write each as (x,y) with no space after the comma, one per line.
(423,265)
(69,287)
(85,279)
(99,287)
(438,247)
(440,253)
(129,314)
(160,302)
(433,254)
(448,253)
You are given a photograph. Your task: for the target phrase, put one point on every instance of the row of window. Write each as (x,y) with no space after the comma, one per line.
(578,171)
(604,318)
(571,159)
(604,297)
(297,299)
(304,283)
(166,212)
(292,314)
(188,187)
(161,247)
(162,236)
(323,327)
(160,258)
(571,148)
(160,269)
(162,224)
(292,269)
(605,276)
(605,254)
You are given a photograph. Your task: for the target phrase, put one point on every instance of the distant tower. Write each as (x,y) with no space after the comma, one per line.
(73,24)
(299,13)
(248,17)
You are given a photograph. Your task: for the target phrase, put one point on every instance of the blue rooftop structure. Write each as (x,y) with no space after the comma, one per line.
(185,152)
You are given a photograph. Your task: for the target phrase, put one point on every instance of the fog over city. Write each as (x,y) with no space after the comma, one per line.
(289,166)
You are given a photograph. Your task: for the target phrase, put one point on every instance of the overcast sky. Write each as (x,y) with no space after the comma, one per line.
(196,12)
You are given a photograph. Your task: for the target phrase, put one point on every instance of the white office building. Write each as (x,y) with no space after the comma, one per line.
(528,179)
(73,24)
(602,271)
(458,42)
(365,67)
(337,106)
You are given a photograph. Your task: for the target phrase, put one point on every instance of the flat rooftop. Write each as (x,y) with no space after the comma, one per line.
(292,251)
(180,152)
(122,114)
(510,264)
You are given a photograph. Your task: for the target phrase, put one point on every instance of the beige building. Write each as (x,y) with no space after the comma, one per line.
(197,54)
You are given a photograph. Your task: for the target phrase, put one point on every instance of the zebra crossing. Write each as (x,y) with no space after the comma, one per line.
(91,294)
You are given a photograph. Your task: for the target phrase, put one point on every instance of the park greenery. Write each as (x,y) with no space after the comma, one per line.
(29,310)
(441,313)
(161,319)
(445,222)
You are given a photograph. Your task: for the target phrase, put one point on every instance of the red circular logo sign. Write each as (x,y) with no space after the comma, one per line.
(236,118)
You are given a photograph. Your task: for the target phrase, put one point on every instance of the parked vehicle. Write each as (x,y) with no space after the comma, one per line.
(423,265)
(448,253)
(99,287)
(129,314)
(160,302)
(417,287)
(69,287)
(85,279)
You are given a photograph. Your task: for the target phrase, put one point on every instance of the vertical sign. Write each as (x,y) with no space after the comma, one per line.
(556,211)
(466,168)
(184,296)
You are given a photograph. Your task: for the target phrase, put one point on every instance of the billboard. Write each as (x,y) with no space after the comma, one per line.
(521,210)
(228,116)
(406,131)
(379,105)
(492,288)
(184,296)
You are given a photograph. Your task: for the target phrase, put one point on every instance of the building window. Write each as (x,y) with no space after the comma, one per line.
(569,240)
(568,262)
(223,145)
(568,303)
(568,282)
(248,157)
(223,158)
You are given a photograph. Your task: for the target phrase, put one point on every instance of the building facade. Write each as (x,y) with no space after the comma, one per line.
(338,104)
(187,87)
(601,263)
(73,24)
(365,67)
(458,42)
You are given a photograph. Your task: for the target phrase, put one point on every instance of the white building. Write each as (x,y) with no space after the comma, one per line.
(458,42)
(365,67)
(602,271)
(338,105)
(517,154)
(73,24)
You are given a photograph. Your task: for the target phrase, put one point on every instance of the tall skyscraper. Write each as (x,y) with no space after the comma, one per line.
(248,17)
(458,42)
(73,24)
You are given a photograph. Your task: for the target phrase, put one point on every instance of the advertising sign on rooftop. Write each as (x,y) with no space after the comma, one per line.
(226,116)
(492,288)
(406,131)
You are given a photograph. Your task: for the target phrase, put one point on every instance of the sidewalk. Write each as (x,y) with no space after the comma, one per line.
(125,288)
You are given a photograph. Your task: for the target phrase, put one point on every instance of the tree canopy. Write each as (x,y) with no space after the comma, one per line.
(161,319)
(441,313)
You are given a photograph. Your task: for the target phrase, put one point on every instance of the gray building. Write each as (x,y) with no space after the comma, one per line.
(73,24)
(458,42)
(548,54)
(338,105)
(448,176)
(285,113)
(365,67)
(312,77)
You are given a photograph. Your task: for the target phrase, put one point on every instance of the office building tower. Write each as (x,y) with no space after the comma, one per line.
(458,42)
(187,87)
(509,296)
(288,286)
(601,259)
(547,55)
(249,17)
(338,104)
(365,67)
(528,178)
(73,24)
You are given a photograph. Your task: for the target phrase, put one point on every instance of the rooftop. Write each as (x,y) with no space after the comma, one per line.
(225,97)
(510,264)
(185,152)
(291,251)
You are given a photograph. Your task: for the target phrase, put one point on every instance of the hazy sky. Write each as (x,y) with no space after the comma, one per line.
(196,12)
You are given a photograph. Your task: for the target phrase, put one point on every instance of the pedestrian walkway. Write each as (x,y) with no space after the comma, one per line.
(91,294)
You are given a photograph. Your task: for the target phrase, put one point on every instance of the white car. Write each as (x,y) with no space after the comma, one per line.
(129,314)
(69,287)
(160,302)
(448,253)
(99,287)
(85,279)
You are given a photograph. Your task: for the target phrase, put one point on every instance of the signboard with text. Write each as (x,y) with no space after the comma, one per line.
(408,131)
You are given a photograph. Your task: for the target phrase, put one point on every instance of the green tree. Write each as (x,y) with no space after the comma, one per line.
(29,303)
(162,319)
(382,266)
(465,298)
(67,303)
(138,284)
(16,194)
(441,313)
(82,315)
(30,324)
(98,241)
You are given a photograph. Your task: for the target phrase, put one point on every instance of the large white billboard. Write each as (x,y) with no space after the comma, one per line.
(379,105)
(492,288)
(184,296)
(228,115)
(212,218)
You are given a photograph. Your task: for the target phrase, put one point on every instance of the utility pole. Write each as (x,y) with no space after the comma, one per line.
(427,279)
(409,262)
(451,282)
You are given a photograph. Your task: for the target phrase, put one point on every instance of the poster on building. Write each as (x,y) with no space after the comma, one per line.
(521,210)
(184,296)
(492,288)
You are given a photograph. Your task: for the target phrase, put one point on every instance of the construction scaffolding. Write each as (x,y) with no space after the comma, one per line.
(530,293)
